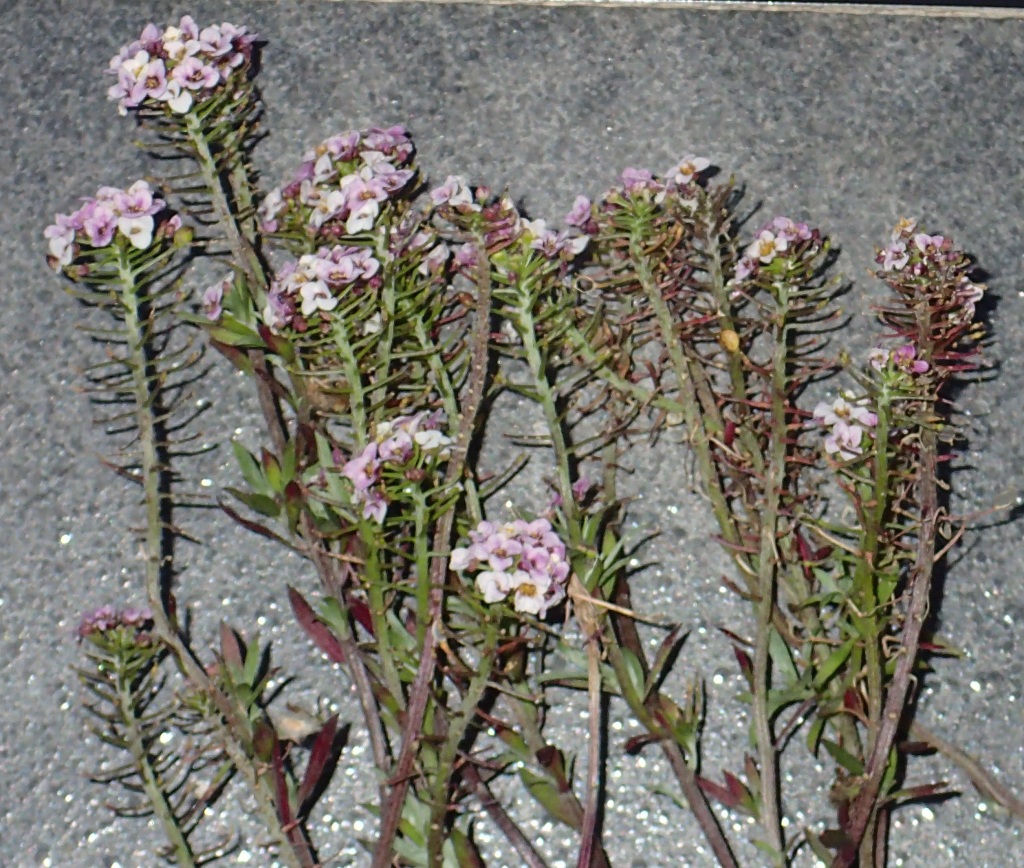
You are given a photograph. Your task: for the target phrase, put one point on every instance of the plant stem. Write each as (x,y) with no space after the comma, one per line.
(865,805)
(984,780)
(686,776)
(183,855)
(460,723)
(419,692)
(146,385)
(513,834)
(768,560)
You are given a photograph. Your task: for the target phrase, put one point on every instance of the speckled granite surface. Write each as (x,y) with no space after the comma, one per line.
(847,122)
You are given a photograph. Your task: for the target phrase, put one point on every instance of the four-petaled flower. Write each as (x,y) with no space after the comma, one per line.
(847,419)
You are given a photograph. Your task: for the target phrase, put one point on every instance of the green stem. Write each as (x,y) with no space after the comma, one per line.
(183,855)
(698,426)
(767,569)
(549,406)
(457,727)
(419,692)
(147,387)
(242,248)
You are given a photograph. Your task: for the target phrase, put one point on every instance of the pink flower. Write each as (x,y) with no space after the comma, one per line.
(930,243)
(363,470)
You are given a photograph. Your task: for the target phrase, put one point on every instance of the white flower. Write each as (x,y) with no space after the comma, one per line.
(494,586)
(530,591)
(432,440)
(316,296)
(138,230)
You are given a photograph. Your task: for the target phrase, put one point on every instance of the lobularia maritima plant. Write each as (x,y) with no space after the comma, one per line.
(392,316)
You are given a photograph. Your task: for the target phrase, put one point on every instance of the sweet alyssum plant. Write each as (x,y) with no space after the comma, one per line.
(378,319)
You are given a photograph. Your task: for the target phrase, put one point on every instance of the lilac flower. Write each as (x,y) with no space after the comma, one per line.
(436,259)
(581,487)
(895,256)
(98,621)
(966,295)
(279,309)
(530,592)
(316,296)
(363,196)
(905,358)
(494,585)
(363,470)
(133,213)
(903,229)
(790,231)
(687,169)
(151,81)
(213,296)
(270,207)
(61,238)
(930,244)
(456,193)
(344,146)
(133,617)
(635,180)
(465,259)
(393,141)
(744,268)
(179,66)
(580,214)
(193,74)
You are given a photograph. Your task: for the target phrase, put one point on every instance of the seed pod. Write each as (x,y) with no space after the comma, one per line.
(729,340)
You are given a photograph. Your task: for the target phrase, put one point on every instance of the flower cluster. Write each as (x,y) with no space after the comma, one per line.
(524,559)
(179,67)
(399,443)
(342,185)
(903,359)
(916,254)
(643,184)
(310,288)
(130,214)
(777,238)
(847,420)
(503,225)
(107,618)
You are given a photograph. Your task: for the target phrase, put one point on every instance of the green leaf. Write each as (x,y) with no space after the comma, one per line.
(260,503)
(549,797)
(814,734)
(836,659)
(251,471)
(782,659)
(842,756)
(635,671)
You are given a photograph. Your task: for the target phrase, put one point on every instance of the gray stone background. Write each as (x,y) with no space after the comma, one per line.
(847,122)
